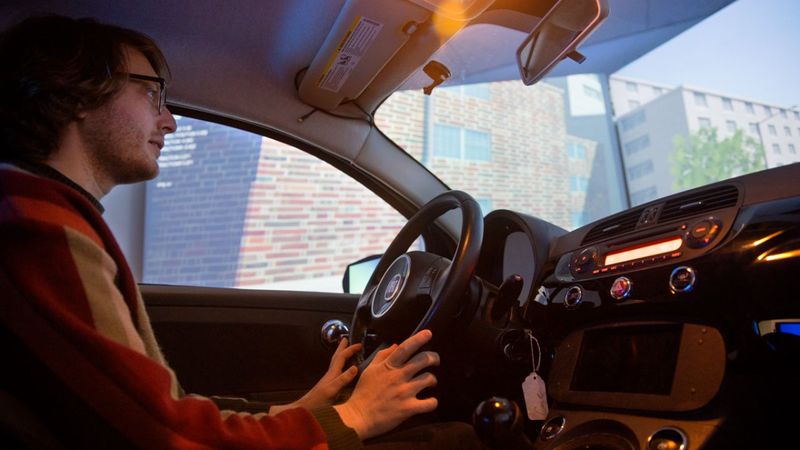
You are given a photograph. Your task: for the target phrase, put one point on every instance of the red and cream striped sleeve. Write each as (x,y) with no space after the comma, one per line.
(60,296)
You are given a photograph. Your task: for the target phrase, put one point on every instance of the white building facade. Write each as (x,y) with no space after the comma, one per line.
(649,116)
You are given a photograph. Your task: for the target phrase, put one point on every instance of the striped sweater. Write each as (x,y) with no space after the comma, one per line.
(86,363)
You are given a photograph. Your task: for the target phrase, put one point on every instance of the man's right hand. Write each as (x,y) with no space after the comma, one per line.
(386,393)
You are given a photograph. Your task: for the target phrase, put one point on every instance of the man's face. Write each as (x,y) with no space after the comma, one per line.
(124,137)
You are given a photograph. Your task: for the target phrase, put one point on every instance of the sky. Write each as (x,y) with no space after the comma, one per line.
(751,48)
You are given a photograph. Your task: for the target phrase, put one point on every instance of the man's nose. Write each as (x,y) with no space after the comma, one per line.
(167,121)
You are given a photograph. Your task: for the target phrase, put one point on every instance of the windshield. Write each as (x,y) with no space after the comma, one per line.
(710,104)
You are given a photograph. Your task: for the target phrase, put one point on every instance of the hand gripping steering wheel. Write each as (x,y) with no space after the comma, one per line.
(412,291)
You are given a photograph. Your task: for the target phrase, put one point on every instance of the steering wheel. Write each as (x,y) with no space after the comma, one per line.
(412,291)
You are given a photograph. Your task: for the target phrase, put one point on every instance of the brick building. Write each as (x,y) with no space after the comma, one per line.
(274,216)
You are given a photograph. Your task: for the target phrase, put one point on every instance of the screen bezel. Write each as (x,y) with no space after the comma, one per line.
(697,377)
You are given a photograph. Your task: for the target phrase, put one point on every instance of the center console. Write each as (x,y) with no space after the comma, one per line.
(657,367)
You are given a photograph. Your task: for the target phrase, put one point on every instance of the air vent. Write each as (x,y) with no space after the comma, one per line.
(614,226)
(698,202)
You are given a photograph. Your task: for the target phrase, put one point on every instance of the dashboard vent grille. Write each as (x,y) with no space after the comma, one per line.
(707,200)
(614,226)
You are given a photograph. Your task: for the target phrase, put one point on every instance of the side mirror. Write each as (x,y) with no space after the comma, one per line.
(357,274)
(557,35)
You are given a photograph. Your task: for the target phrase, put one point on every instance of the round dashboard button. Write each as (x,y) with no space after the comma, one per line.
(621,288)
(574,297)
(585,258)
(682,279)
(552,427)
(702,232)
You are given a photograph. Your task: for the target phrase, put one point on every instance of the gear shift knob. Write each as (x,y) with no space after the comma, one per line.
(498,423)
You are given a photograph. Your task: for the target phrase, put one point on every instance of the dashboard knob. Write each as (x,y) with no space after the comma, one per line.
(682,279)
(574,297)
(621,288)
(702,232)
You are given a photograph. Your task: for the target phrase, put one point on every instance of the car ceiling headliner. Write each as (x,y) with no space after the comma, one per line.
(240,58)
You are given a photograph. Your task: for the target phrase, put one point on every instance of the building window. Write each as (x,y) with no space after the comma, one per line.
(637,145)
(787,131)
(700,99)
(727,104)
(633,104)
(643,195)
(658,90)
(792,149)
(477,146)
(631,87)
(749,107)
(479,90)
(576,151)
(797,115)
(772,130)
(460,143)
(753,128)
(591,92)
(633,120)
(731,125)
(704,122)
(578,184)
(640,170)
(767,110)
(776,149)
(783,113)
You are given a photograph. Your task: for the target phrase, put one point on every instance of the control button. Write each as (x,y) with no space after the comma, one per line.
(596,271)
(621,288)
(700,229)
(574,297)
(675,255)
(552,427)
(701,233)
(682,279)
(667,439)
(585,259)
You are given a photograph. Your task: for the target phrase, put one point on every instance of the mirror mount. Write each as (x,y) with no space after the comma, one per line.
(566,25)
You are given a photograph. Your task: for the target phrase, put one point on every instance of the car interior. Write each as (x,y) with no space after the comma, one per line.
(668,323)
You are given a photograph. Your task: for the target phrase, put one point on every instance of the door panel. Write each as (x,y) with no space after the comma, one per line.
(261,345)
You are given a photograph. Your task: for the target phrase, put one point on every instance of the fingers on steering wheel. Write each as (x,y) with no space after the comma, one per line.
(408,348)
(425,405)
(343,353)
(422,381)
(421,361)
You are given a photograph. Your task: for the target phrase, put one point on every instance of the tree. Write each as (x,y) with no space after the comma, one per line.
(703,158)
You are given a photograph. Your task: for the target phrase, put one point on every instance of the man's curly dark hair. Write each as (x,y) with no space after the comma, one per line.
(54,67)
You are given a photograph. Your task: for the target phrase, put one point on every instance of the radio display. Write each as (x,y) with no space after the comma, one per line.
(639,359)
(643,251)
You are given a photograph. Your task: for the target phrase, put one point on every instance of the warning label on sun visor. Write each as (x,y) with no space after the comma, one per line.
(361,34)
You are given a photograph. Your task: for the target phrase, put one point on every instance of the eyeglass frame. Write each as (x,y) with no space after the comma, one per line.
(162,83)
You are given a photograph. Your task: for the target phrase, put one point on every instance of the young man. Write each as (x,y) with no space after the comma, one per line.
(82,109)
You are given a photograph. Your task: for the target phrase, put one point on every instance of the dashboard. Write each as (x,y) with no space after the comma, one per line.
(668,325)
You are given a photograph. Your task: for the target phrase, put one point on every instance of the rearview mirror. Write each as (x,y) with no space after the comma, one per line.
(557,35)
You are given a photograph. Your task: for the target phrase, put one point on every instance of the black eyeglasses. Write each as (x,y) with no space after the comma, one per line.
(162,88)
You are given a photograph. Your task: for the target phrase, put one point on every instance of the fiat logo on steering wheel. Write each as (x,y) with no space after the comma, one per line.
(393,287)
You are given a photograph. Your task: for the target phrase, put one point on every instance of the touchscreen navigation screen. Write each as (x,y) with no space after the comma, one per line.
(637,359)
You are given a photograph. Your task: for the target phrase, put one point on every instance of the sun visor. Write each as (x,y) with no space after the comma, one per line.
(365,37)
